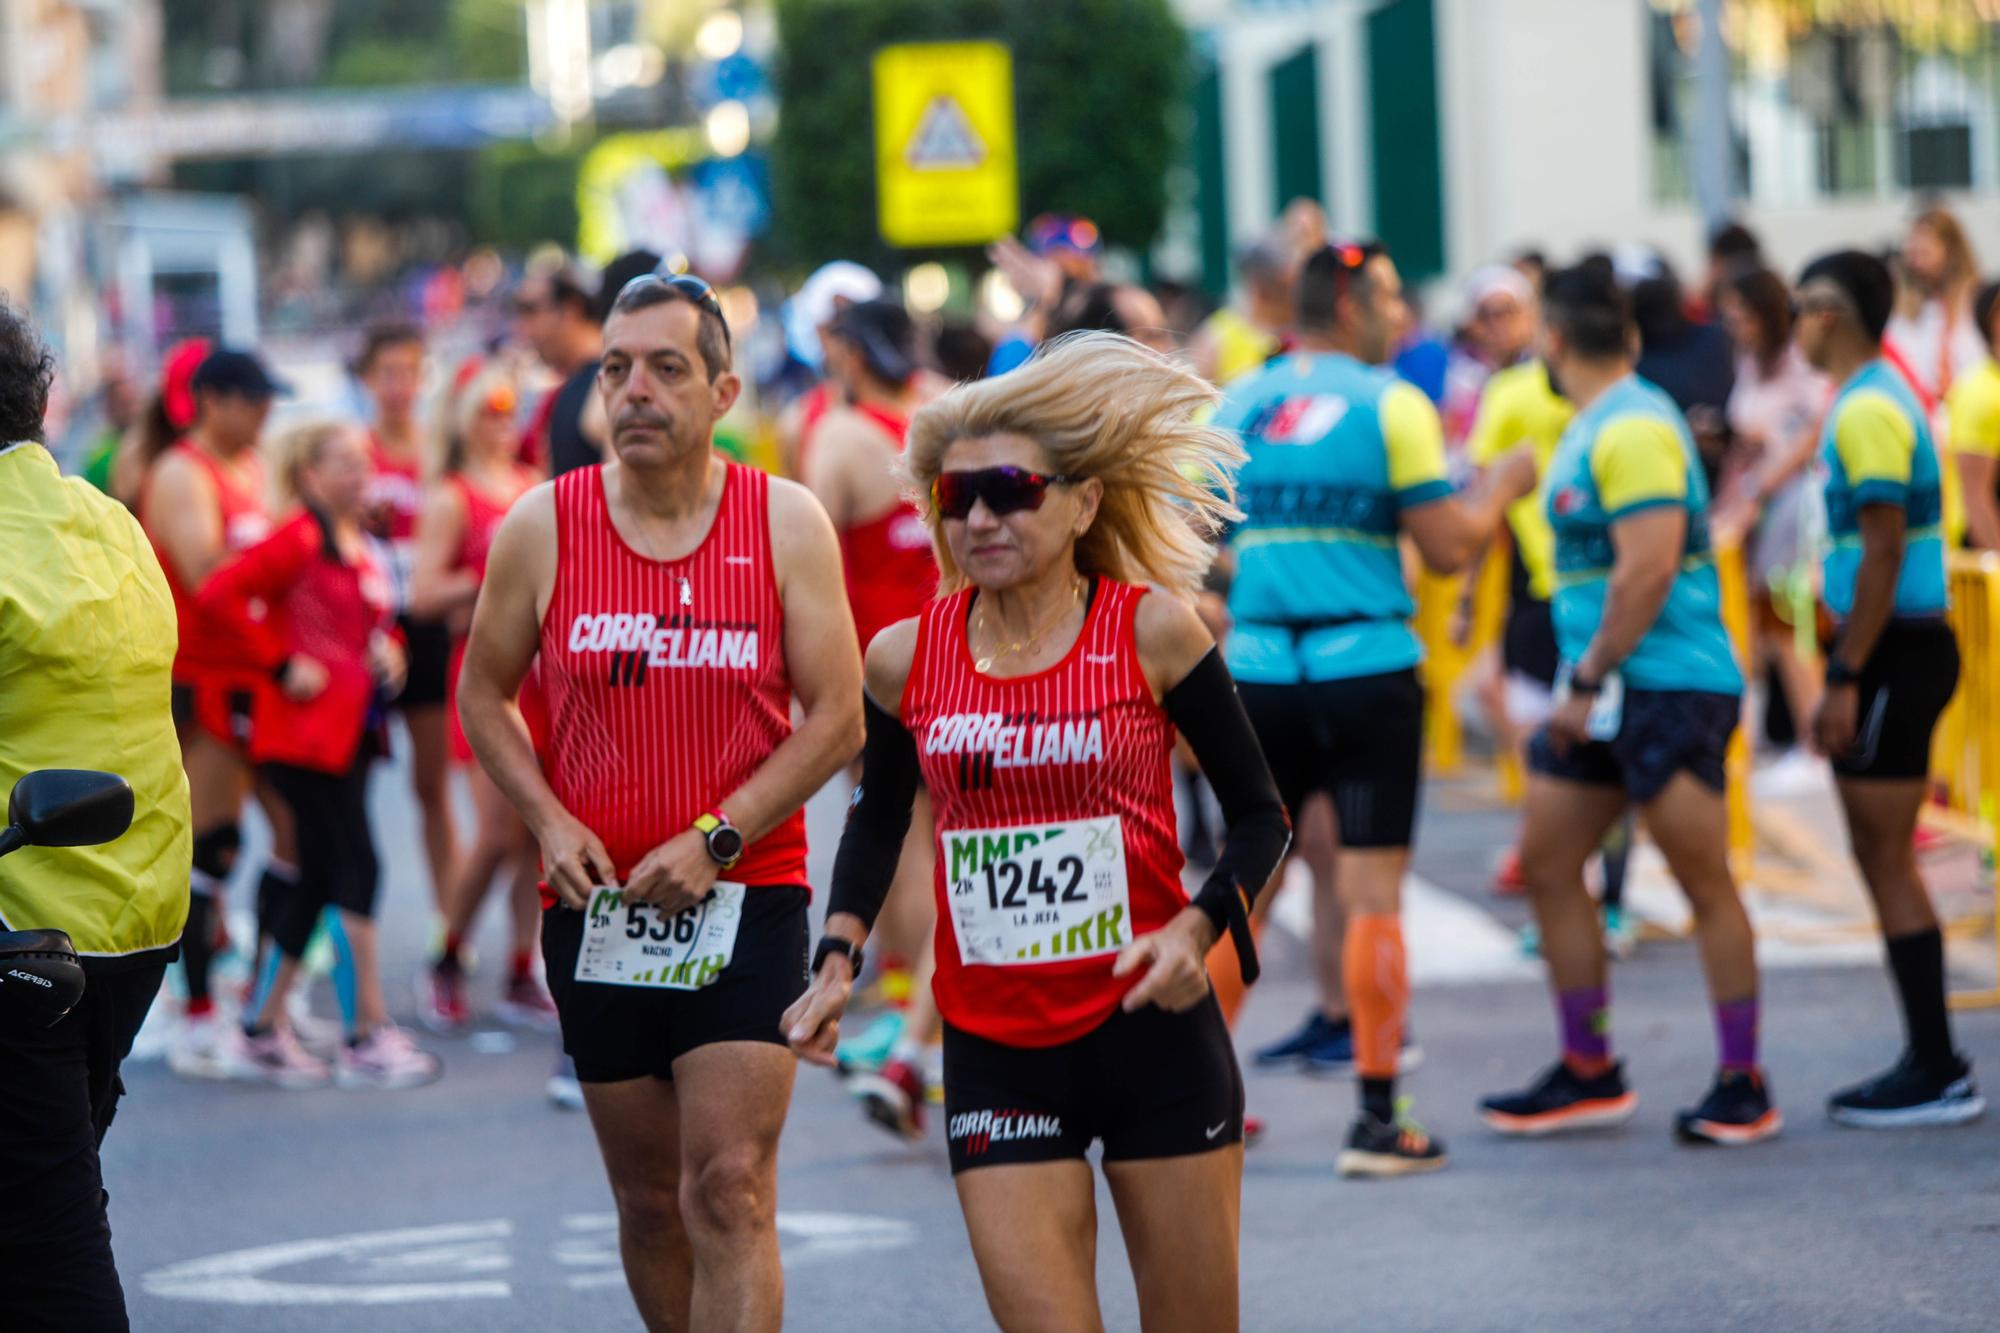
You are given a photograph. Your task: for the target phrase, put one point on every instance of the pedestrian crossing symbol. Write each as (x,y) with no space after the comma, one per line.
(944,139)
(944,143)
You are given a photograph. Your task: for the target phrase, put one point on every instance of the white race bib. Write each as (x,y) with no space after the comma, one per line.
(638,944)
(1038,893)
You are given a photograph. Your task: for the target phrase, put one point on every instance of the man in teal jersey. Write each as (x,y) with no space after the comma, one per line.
(1892,669)
(1644,712)
(1344,459)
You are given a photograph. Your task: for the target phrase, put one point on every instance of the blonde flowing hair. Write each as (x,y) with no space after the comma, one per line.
(1101,405)
(298,448)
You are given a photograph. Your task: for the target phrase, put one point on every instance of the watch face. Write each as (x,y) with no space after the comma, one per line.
(725,844)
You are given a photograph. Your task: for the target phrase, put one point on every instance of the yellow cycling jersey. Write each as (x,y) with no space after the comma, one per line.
(1520,406)
(87,639)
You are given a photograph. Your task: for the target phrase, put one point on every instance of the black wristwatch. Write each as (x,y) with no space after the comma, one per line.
(1839,673)
(832,944)
(725,840)
(1582,684)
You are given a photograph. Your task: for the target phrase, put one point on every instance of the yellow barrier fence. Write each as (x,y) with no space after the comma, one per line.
(1454,638)
(1965,753)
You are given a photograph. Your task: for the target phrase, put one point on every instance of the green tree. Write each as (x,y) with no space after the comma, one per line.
(1097,88)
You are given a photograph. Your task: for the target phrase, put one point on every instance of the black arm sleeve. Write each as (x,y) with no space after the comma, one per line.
(1208,712)
(877,820)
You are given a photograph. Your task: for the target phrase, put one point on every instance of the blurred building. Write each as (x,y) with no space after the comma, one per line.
(1465,130)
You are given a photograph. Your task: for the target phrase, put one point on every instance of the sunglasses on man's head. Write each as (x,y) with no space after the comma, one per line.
(696,290)
(1006,490)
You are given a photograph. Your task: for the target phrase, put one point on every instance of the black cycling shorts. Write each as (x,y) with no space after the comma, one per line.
(1528,641)
(616,1033)
(1360,740)
(1662,733)
(1149,1084)
(427,646)
(1909,679)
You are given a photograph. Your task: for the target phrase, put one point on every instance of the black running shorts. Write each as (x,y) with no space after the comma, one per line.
(1359,740)
(1662,733)
(1149,1084)
(1909,679)
(427,649)
(616,1033)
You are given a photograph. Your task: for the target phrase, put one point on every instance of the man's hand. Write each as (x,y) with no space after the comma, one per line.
(304,679)
(1514,474)
(1175,960)
(812,1024)
(1569,721)
(678,873)
(1836,720)
(574,860)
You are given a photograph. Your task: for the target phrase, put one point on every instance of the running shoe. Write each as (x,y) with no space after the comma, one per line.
(1253,1129)
(321,1037)
(276,1058)
(1317,1031)
(1530,940)
(387,1058)
(565,1093)
(1380,1149)
(1560,1101)
(1508,881)
(1621,933)
(199,1047)
(526,1003)
(868,1050)
(1909,1096)
(441,998)
(1736,1112)
(1334,1057)
(893,1097)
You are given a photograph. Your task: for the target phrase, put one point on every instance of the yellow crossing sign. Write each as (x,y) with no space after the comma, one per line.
(944,143)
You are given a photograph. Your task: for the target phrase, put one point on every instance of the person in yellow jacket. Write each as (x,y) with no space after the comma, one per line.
(1973,408)
(87,640)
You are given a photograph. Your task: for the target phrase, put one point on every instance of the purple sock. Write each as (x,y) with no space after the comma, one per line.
(1736,1033)
(1586,1022)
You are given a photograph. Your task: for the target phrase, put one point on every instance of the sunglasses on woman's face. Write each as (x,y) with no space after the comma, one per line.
(499,401)
(1006,490)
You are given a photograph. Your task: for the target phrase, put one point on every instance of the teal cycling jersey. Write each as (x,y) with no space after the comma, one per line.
(1627,452)
(1876,448)
(1337,451)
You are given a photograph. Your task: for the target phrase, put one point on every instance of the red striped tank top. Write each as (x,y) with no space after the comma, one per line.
(1007,760)
(664,680)
(395,493)
(890,569)
(211,646)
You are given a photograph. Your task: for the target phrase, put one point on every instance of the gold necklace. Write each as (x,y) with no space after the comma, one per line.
(1034,636)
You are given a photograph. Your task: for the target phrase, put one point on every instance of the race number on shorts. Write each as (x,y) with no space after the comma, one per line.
(638,944)
(1038,893)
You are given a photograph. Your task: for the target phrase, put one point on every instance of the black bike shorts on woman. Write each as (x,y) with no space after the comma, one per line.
(618,1032)
(1909,679)
(1149,1084)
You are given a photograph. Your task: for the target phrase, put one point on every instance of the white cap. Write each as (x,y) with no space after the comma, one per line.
(1497,280)
(812,307)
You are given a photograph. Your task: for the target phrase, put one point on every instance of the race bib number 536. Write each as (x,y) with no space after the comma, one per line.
(1038,893)
(638,944)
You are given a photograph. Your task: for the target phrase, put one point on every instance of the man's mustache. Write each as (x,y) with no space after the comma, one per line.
(643,416)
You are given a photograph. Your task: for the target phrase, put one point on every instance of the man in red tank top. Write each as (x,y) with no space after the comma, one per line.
(677,603)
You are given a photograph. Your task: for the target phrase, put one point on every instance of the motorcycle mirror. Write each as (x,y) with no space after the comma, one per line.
(69,807)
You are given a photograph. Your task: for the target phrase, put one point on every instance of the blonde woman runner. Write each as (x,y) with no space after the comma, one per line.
(1071,503)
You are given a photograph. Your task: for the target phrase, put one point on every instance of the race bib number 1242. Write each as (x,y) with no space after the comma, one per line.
(1038,893)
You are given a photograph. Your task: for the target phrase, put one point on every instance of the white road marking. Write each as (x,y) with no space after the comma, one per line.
(389,1267)
(1451,941)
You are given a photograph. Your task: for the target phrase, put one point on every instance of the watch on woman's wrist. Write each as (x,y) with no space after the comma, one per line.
(834,944)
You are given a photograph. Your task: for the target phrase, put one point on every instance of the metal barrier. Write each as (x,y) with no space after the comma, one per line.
(1965,752)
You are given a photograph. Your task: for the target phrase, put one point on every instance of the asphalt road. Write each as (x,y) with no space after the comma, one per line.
(473,1204)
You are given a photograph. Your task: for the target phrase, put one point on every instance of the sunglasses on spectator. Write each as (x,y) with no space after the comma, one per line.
(696,290)
(1006,490)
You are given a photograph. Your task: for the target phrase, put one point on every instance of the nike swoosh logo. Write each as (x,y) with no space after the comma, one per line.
(1218,1129)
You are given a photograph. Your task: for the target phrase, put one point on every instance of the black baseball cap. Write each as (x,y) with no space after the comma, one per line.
(885,335)
(244,374)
